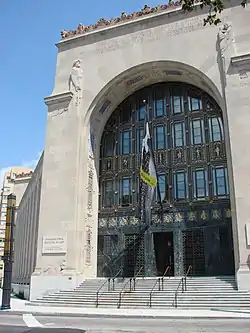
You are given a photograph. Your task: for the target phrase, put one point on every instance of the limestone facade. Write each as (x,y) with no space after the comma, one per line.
(95,72)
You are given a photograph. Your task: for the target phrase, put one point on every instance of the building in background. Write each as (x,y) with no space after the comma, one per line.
(26,231)
(80,215)
(15,181)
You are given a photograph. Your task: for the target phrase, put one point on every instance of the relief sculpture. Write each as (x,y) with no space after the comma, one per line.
(225,37)
(75,80)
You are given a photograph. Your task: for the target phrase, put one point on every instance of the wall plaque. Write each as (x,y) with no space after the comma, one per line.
(54,245)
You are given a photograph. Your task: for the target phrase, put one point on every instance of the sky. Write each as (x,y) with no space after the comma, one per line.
(29,31)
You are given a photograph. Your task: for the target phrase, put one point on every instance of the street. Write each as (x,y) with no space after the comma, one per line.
(59,324)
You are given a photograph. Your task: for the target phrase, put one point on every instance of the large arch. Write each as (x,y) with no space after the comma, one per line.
(143,75)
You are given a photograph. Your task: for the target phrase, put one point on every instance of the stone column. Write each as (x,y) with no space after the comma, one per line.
(57,244)
(235,79)
(238,101)
(178,252)
(150,262)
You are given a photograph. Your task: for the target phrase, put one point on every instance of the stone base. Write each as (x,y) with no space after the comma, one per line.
(243,278)
(21,289)
(42,285)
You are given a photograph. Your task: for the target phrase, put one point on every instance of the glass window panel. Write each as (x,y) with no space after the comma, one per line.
(178,133)
(177,101)
(109,144)
(108,193)
(160,137)
(125,142)
(125,191)
(141,111)
(200,188)
(180,185)
(196,131)
(194,103)
(162,188)
(216,129)
(126,113)
(220,181)
(159,104)
(139,138)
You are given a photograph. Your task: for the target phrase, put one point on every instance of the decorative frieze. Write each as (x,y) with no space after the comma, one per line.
(102,23)
(90,190)
(88,246)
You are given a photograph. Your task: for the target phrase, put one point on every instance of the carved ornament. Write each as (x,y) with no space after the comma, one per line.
(103,23)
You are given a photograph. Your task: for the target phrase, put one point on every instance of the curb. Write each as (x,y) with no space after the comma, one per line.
(99,315)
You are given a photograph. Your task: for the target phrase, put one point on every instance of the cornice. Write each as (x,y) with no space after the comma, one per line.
(241,60)
(60,98)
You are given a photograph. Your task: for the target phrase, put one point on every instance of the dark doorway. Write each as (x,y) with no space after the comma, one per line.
(164,252)
(219,250)
(193,252)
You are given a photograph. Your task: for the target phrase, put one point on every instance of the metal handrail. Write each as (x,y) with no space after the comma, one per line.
(183,284)
(130,287)
(185,277)
(99,290)
(113,279)
(120,293)
(135,277)
(167,270)
(152,290)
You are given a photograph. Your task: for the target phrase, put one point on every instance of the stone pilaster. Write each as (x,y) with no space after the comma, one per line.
(178,252)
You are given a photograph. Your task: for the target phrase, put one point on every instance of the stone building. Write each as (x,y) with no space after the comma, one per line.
(193,81)
(15,180)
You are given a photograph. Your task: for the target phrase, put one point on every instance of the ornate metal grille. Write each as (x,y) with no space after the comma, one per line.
(189,149)
(193,251)
(134,257)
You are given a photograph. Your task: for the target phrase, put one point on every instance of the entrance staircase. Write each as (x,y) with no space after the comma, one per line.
(164,292)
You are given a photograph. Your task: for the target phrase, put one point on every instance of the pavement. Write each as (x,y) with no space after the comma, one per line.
(19,307)
(37,324)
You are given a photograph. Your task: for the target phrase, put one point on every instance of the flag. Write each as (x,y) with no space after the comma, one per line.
(147,175)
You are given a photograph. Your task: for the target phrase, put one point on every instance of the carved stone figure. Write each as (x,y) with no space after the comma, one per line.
(179,154)
(146,10)
(125,163)
(225,36)
(80,29)
(123,16)
(224,31)
(217,151)
(64,34)
(76,75)
(198,153)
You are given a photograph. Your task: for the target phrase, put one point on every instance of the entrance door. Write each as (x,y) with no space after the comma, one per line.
(164,252)
(193,252)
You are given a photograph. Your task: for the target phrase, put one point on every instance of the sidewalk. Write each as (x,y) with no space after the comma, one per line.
(19,307)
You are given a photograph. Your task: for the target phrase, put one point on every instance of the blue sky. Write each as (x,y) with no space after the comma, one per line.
(29,31)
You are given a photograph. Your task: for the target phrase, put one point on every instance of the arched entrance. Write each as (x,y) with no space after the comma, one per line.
(189,149)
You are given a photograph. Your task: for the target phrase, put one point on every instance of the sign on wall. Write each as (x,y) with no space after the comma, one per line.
(54,245)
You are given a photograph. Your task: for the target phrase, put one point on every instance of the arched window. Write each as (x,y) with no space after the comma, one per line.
(187,132)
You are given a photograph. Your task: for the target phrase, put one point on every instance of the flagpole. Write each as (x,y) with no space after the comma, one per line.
(150,264)
(153,155)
